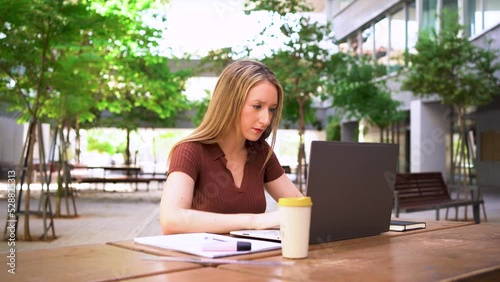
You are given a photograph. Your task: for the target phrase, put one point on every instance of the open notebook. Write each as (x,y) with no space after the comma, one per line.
(192,243)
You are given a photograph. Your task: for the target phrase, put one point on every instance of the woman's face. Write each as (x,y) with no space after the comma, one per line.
(258,110)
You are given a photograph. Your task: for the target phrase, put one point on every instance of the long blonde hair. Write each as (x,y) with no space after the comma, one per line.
(224,110)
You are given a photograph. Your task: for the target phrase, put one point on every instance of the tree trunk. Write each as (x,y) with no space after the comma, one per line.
(77,141)
(60,169)
(127,149)
(463,164)
(301,158)
(29,178)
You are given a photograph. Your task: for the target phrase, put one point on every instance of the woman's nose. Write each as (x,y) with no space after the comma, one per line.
(265,117)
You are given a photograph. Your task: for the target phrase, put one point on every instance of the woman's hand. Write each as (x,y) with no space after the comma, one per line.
(265,220)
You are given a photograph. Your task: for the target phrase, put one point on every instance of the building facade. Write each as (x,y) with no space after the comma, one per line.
(384,29)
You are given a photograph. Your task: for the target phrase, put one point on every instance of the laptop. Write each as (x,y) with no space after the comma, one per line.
(351,185)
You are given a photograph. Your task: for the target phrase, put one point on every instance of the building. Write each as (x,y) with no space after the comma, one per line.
(384,30)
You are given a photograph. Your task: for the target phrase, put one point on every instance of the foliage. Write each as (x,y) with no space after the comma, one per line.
(360,93)
(201,108)
(333,129)
(66,61)
(301,63)
(450,66)
(105,143)
(142,92)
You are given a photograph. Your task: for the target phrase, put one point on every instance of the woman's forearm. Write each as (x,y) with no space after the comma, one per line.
(187,221)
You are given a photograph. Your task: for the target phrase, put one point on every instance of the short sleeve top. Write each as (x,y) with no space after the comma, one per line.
(214,188)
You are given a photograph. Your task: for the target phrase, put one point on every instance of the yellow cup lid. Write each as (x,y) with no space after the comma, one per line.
(295,202)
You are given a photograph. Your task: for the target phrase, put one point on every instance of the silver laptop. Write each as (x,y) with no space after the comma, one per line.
(351,185)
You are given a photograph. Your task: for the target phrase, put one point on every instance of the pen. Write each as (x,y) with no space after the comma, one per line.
(227,246)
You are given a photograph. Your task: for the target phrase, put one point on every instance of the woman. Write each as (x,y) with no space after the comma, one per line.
(217,175)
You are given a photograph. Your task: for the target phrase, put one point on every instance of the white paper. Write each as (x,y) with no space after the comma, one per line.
(192,243)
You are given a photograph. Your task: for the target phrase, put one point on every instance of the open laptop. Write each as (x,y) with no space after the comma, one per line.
(351,185)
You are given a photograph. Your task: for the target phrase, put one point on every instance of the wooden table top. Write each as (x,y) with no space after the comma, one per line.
(95,262)
(445,250)
(431,226)
(427,256)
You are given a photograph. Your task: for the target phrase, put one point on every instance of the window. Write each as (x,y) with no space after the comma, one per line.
(429,14)
(382,41)
(368,41)
(491,13)
(473,17)
(398,42)
(412,26)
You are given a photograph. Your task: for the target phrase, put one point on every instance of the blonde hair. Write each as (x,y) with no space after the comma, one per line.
(230,93)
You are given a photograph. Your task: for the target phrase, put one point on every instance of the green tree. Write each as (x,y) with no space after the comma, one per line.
(37,37)
(449,65)
(56,57)
(141,91)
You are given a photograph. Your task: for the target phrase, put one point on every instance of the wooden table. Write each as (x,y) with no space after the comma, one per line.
(443,251)
(453,253)
(96,262)
(431,226)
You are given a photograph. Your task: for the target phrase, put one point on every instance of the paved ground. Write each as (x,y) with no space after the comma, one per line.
(120,213)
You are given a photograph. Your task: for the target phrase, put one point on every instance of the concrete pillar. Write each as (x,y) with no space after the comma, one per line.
(349,131)
(429,131)
(11,141)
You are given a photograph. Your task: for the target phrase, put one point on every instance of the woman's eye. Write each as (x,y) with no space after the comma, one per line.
(272,110)
(257,107)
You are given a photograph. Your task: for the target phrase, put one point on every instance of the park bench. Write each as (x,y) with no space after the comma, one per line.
(428,191)
(158,177)
(112,179)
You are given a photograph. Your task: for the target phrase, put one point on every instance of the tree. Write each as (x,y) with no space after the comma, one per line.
(448,65)
(56,58)
(37,38)
(141,91)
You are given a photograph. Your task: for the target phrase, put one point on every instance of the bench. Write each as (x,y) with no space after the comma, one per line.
(112,179)
(159,177)
(427,191)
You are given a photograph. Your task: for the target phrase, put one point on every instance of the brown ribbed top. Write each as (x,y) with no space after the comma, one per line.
(214,189)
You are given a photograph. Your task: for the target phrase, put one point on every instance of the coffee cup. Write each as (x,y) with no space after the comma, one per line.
(295,221)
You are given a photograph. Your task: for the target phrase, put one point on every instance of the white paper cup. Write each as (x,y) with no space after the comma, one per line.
(295,221)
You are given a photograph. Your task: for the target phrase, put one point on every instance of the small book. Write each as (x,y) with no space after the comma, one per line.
(404,225)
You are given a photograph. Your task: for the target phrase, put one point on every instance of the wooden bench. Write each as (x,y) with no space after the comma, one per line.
(112,179)
(427,191)
(159,177)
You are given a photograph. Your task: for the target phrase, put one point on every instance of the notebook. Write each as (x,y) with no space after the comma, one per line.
(194,243)
(351,185)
